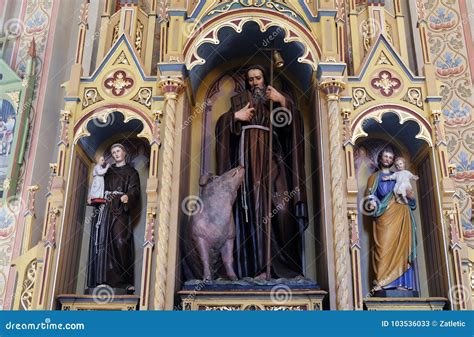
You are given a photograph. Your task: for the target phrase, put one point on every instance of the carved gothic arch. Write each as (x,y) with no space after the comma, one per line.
(293,32)
(103,112)
(404,114)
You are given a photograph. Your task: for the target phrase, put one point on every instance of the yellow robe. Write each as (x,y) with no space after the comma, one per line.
(392,240)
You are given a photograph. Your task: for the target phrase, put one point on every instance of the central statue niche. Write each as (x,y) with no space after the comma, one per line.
(254,186)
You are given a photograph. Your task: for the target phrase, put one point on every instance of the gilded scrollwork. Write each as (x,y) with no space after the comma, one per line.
(220,307)
(253,3)
(91,96)
(366,35)
(139,37)
(26,297)
(388,30)
(143,97)
(115,33)
(122,59)
(346,126)
(286,307)
(119,83)
(383,59)
(413,96)
(360,97)
(15,98)
(386,83)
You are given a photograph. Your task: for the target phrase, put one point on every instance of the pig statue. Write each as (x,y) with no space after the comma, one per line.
(211,231)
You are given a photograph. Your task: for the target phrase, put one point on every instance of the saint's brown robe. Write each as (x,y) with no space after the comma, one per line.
(288,216)
(111,252)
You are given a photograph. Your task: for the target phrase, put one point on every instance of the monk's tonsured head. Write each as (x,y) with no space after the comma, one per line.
(118,152)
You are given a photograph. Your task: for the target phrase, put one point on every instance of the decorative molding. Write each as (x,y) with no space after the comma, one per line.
(84,13)
(156,136)
(50,239)
(31,200)
(388,33)
(253,3)
(90,97)
(294,32)
(115,33)
(355,239)
(119,83)
(360,97)
(404,115)
(15,99)
(143,97)
(150,228)
(386,83)
(139,37)
(171,86)
(367,34)
(63,136)
(163,11)
(439,135)
(341,11)
(26,297)
(383,59)
(332,88)
(122,59)
(420,10)
(346,126)
(414,96)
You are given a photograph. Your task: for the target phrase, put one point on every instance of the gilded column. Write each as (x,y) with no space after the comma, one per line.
(332,87)
(171,88)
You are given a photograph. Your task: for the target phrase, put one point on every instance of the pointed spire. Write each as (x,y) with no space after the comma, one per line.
(32,50)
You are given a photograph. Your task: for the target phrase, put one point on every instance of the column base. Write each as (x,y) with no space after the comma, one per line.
(405,303)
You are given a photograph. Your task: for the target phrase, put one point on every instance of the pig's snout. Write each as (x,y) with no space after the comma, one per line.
(238,169)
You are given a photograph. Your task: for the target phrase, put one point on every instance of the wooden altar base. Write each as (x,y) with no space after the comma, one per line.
(404,303)
(242,295)
(91,302)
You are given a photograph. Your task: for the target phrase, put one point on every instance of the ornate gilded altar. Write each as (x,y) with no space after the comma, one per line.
(158,65)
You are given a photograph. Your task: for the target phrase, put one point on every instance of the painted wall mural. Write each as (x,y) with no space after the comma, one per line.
(34,22)
(7,129)
(448,50)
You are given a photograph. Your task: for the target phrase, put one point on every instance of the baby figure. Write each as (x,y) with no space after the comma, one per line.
(402,177)
(97,187)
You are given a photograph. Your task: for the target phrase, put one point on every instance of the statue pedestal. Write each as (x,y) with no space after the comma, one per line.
(405,303)
(275,295)
(92,302)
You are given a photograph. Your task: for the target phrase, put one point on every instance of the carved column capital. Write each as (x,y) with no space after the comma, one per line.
(332,87)
(171,87)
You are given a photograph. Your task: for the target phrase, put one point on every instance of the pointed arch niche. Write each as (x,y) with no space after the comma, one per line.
(409,136)
(93,136)
(216,58)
